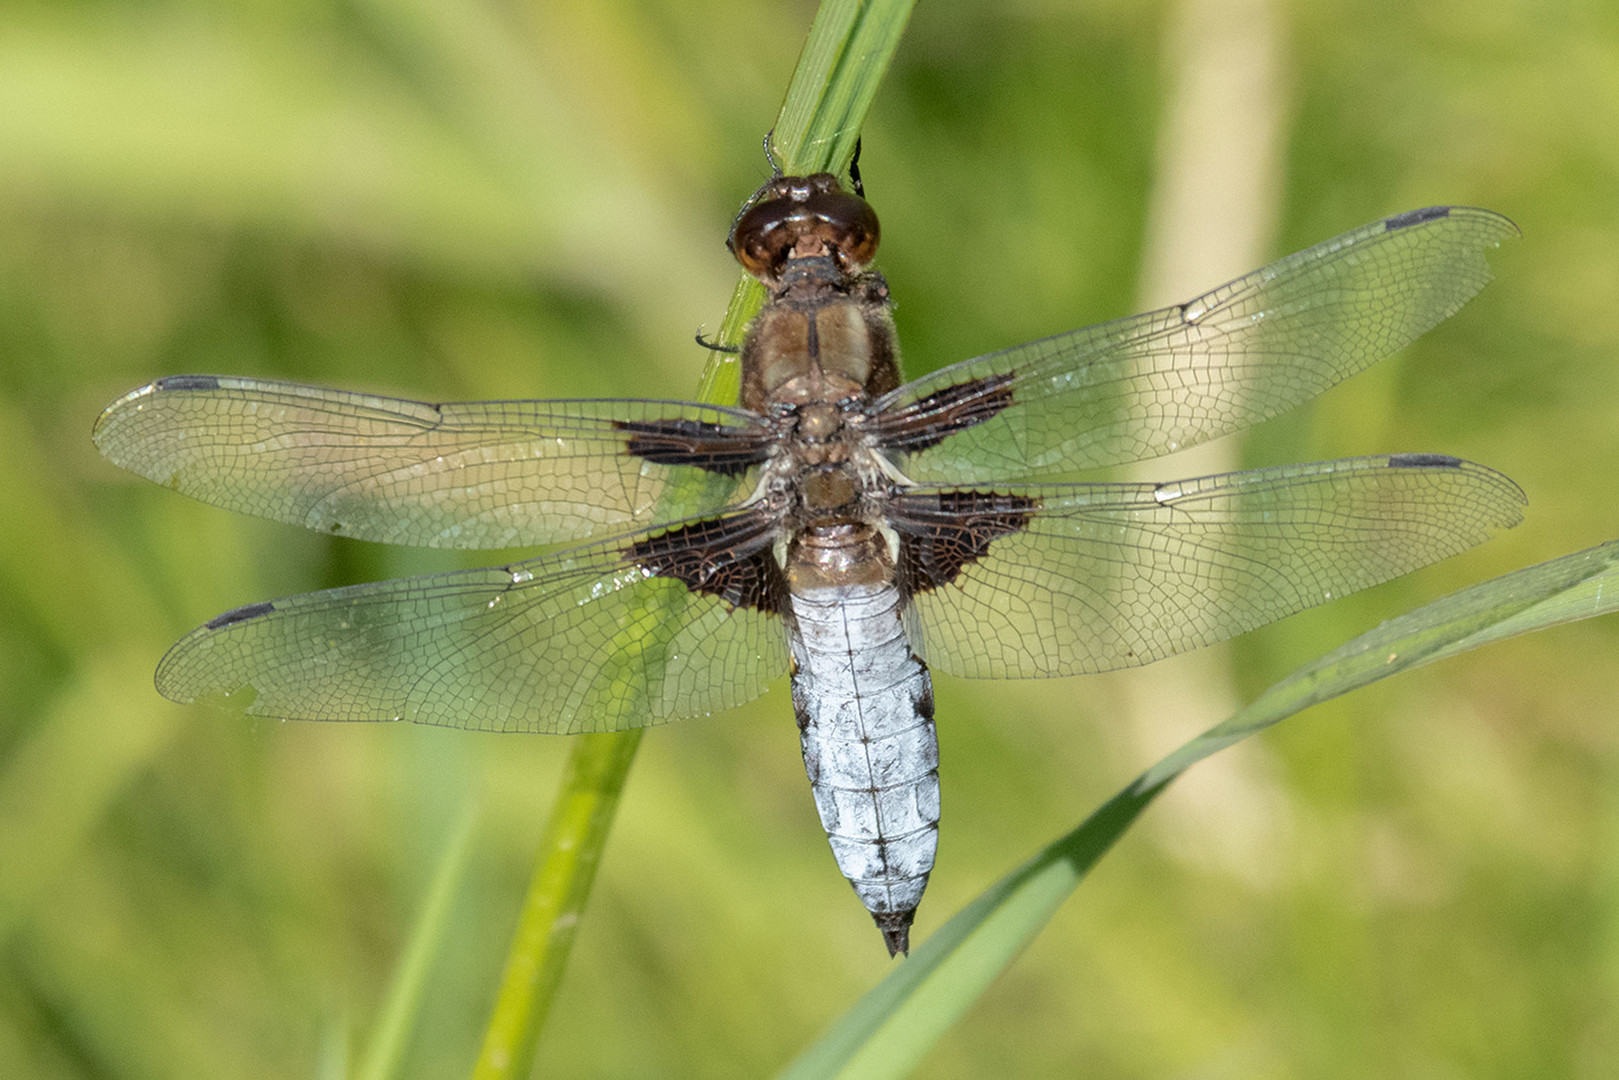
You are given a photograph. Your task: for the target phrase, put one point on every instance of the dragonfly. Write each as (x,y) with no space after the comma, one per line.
(853,531)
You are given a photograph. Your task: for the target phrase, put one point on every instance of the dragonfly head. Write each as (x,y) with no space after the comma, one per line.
(804,216)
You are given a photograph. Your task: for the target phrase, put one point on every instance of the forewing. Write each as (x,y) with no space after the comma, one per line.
(1063,579)
(1159,382)
(602,638)
(468,475)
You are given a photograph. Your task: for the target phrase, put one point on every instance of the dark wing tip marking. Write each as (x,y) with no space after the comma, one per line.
(1506,497)
(1424,461)
(187,382)
(237,615)
(1415,217)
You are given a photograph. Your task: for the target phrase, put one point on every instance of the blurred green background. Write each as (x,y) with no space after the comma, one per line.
(529,199)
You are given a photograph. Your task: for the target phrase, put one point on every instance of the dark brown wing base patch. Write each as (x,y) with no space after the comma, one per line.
(727,557)
(927,421)
(940,534)
(712,447)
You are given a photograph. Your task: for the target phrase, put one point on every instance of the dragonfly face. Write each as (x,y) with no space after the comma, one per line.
(839,525)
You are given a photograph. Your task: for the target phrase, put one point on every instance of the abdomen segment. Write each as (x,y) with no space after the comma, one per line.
(865,716)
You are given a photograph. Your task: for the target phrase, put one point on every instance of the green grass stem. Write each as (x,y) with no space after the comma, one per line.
(849,48)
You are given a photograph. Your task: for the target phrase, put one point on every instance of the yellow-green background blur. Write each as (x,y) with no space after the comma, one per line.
(526,199)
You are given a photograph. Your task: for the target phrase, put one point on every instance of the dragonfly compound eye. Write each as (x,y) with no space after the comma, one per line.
(804,216)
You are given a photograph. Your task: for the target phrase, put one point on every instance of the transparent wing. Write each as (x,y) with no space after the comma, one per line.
(470,475)
(1155,383)
(1062,579)
(588,640)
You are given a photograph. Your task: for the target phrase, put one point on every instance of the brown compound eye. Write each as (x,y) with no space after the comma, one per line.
(792,208)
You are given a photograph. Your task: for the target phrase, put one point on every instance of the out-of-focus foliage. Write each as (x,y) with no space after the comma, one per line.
(524,200)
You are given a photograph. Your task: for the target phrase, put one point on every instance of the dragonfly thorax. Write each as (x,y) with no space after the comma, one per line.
(825,468)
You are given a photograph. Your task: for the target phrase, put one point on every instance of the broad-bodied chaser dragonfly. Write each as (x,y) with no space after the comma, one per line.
(854,531)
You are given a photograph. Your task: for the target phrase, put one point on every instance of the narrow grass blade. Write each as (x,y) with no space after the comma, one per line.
(889,1030)
(849,48)
(391,1038)
(332,1055)
(569,854)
